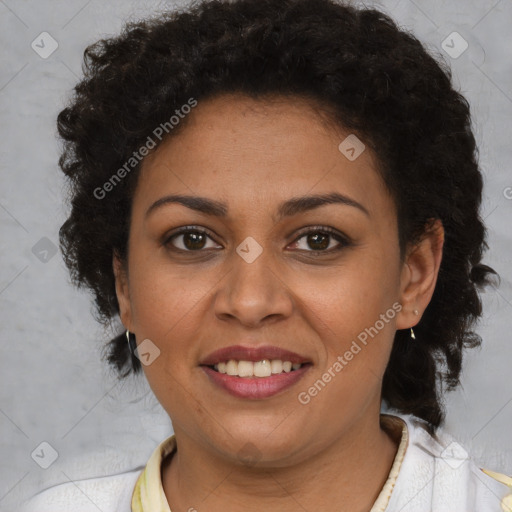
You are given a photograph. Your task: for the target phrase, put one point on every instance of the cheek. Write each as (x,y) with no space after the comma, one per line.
(352,311)
(357,329)
(167,307)
(352,295)
(163,293)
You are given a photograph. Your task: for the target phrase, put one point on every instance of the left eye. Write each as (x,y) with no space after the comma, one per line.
(320,240)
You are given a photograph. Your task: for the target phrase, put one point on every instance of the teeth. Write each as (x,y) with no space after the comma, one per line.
(263,368)
(276,366)
(232,368)
(245,368)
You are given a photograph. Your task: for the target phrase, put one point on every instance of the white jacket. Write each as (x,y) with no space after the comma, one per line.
(435,476)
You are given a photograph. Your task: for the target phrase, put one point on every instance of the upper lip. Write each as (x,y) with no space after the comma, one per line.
(241,353)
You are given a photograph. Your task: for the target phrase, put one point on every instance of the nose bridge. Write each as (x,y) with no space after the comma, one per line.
(252,290)
(253,278)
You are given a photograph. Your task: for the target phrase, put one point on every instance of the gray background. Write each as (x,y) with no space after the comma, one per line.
(54,387)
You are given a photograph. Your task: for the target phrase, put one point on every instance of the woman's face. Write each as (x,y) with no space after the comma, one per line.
(263,273)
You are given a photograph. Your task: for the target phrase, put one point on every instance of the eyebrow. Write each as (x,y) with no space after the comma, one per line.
(288,208)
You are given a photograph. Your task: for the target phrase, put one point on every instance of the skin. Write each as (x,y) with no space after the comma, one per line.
(253,155)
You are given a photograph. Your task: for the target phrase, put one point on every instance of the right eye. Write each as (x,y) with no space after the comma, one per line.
(191,239)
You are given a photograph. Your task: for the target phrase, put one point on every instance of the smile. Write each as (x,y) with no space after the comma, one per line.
(263,368)
(241,384)
(254,372)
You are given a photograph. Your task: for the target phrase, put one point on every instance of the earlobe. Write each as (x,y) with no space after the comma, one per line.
(419,275)
(122,290)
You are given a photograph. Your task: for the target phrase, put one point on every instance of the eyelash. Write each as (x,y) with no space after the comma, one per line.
(343,240)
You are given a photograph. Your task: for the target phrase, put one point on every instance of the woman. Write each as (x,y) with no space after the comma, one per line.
(280,201)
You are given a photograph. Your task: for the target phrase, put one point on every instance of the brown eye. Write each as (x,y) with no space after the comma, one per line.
(320,240)
(188,240)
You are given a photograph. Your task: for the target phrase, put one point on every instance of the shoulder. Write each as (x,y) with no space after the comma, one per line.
(439,474)
(108,494)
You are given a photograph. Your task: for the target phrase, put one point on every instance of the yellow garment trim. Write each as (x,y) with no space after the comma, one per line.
(148,494)
(392,424)
(506,502)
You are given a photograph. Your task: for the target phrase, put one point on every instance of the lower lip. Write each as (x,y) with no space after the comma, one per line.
(255,388)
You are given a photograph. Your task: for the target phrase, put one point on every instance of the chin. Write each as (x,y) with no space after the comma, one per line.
(266,446)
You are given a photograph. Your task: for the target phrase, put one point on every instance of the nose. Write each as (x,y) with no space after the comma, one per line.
(253,293)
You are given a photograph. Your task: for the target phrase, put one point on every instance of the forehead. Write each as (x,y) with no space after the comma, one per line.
(256,152)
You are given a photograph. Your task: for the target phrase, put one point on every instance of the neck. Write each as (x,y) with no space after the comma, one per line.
(357,463)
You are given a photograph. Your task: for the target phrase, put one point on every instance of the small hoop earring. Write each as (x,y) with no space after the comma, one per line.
(132,344)
(416,312)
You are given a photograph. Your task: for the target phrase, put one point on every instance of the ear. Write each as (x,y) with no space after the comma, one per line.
(419,275)
(122,290)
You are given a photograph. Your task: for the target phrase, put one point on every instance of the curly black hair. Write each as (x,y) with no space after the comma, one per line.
(375,79)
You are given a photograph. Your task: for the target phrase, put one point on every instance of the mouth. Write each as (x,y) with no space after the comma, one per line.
(258,369)
(254,373)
